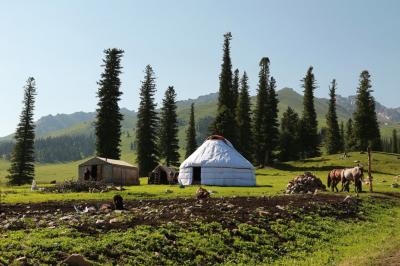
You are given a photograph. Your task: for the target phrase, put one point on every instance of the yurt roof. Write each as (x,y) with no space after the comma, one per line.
(96,160)
(217,152)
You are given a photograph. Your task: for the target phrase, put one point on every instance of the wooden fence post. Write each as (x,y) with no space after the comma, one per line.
(369,170)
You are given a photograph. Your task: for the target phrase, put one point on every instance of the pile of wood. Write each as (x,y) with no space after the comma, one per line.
(305,183)
(77,186)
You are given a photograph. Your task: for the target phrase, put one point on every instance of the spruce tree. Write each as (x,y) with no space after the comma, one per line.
(289,136)
(191,144)
(235,88)
(109,117)
(146,127)
(395,145)
(168,138)
(309,123)
(342,136)
(260,126)
(333,138)
(22,169)
(366,125)
(224,123)
(243,118)
(350,140)
(271,118)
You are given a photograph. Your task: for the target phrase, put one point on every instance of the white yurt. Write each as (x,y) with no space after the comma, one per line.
(217,163)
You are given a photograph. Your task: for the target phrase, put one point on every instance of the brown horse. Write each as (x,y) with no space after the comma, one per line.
(334,177)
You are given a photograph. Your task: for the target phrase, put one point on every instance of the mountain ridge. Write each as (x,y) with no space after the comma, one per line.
(81,122)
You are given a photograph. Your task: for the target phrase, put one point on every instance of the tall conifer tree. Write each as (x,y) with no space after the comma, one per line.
(109,117)
(243,118)
(235,87)
(146,128)
(191,144)
(342,136)
(395,145)
(333,139)
(289,136)
(309,123)
(224,123)
(169,144)
(271,118)
(366,125)
(350,140)
(260,123)
(22,169)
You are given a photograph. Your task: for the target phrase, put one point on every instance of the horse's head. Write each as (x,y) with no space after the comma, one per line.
(359,171)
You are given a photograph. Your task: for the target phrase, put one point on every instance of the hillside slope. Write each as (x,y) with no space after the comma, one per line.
(205,110)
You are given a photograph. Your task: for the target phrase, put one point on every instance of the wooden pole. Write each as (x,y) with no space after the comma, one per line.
(369,170)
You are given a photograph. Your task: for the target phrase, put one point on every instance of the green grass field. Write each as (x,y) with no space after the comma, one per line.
(310,239)
(269,181)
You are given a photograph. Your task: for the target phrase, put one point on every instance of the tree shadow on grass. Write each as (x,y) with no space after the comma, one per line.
(288,167)
(142,194)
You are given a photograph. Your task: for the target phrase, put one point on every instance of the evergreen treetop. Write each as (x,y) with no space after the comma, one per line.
(22,169)
(235,87)
(271,118)
(309,123)
(109,117)
(259,123)
(225,123)
(243,118)
(146,128)
(191,144)
(366,125)
(169,129)
(333,140)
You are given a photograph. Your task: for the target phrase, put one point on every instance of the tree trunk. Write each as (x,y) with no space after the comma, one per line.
(369,170)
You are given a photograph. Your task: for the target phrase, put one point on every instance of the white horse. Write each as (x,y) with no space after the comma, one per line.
(354,174)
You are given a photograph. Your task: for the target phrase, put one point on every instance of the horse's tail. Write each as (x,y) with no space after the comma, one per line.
(329,180)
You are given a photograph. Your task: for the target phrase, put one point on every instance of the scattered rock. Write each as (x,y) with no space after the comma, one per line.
(90,209)
(113,221)
(264,213)
(100,221)
(20,261)
(202,193)
(77,260)
(105,208)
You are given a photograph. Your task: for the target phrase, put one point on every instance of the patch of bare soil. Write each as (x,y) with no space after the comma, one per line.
(98,216)
(391,260)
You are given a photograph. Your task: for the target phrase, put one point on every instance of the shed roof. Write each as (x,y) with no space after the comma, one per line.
(108,161)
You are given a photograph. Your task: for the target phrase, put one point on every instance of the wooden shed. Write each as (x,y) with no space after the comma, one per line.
(109,171)
(163,175)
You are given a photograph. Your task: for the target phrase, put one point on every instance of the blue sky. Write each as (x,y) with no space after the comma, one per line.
(60,43)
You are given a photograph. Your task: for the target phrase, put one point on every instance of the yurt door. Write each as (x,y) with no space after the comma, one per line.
(196,175)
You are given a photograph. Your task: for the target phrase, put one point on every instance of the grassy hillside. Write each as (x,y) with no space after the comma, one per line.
(206,106)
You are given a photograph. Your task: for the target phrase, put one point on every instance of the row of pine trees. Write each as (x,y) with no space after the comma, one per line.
(254,130)
(257,133)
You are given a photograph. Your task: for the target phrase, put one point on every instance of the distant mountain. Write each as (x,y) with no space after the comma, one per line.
(205,106)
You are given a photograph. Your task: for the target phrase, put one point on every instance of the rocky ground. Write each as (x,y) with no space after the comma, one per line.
(99,216)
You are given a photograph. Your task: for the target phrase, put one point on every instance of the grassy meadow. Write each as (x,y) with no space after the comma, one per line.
(269,180)
(311,238)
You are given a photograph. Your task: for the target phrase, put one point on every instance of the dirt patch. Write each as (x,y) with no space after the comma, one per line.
(393,259)
(227,211)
